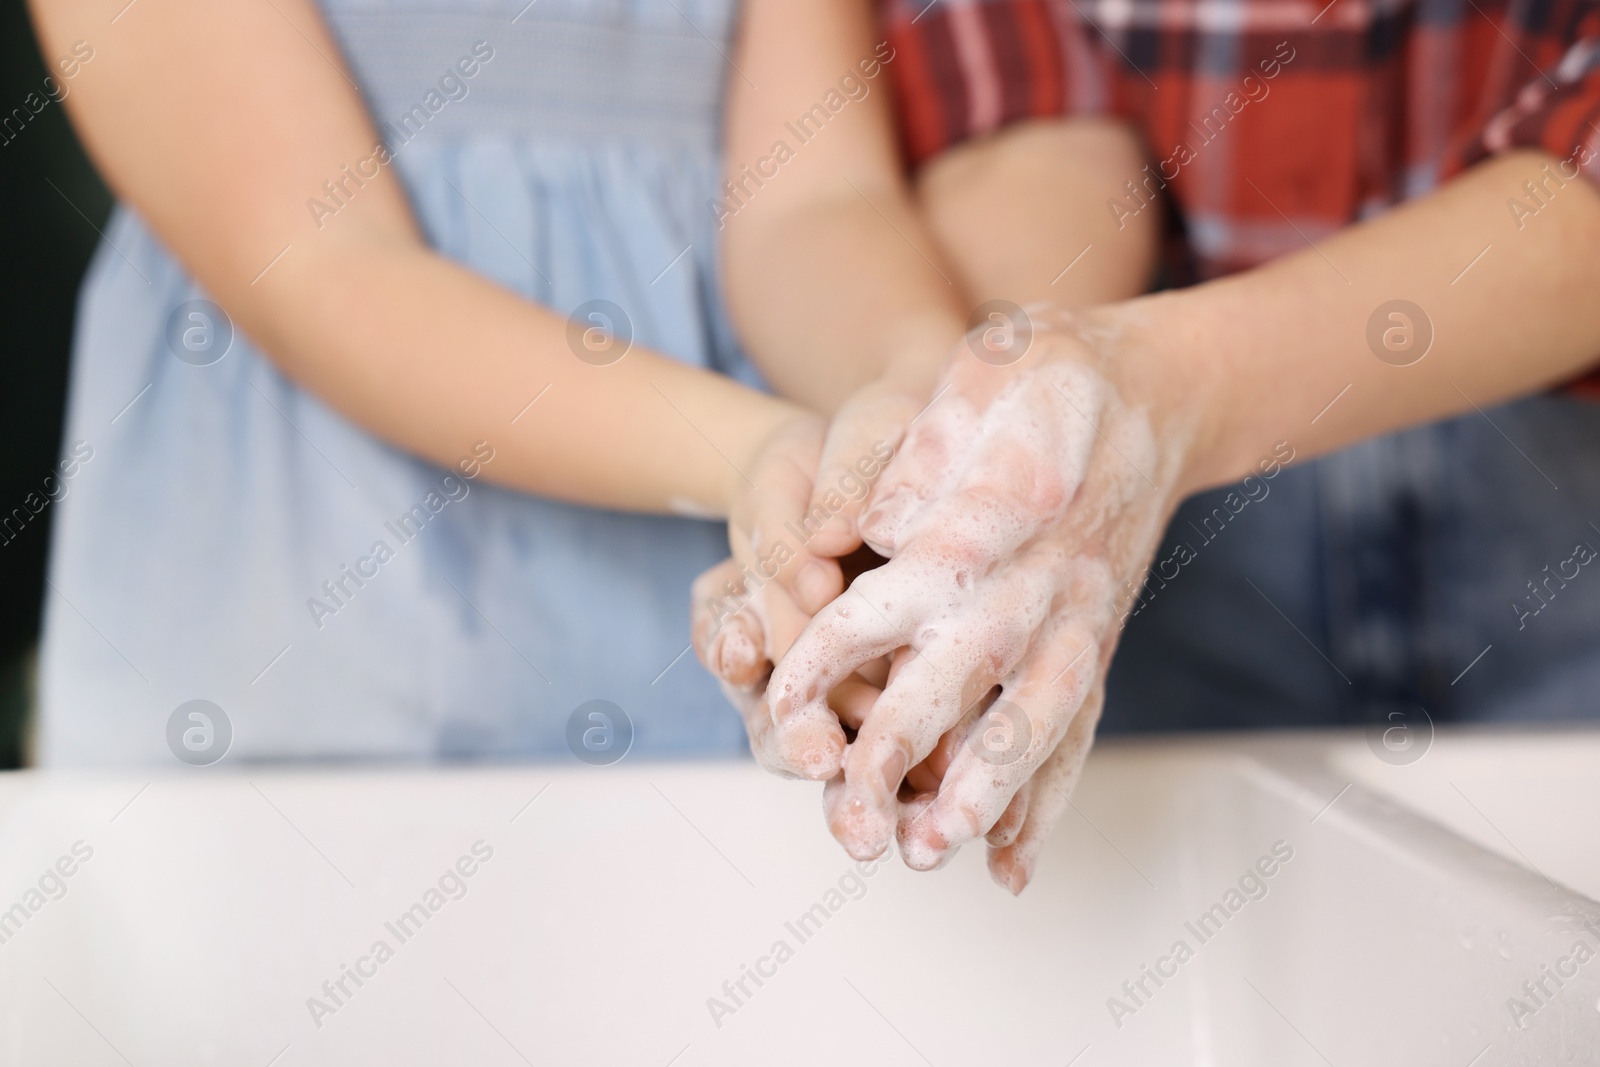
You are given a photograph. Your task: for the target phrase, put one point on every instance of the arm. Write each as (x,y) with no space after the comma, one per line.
(1023,511)
(1015,210)
(899,264)
(216,122)
(849,284)
(1271,347)
(833,279)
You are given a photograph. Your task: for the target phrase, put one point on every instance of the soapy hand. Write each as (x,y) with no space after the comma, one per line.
(1019,515)
(795,546)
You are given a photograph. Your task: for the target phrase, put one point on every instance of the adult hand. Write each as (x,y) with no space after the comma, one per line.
(1019,515)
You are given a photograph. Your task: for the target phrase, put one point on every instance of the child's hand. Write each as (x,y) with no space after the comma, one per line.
(794,534)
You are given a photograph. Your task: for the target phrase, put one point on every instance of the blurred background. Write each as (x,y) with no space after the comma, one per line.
(46,238)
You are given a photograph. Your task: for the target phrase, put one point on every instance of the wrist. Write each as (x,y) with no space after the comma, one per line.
(1168,352)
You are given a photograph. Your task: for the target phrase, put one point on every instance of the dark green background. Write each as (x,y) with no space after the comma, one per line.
(45,243)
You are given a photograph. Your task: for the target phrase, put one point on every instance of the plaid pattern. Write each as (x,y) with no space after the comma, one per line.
(1268,122)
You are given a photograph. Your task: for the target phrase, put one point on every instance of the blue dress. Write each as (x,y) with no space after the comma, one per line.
(218,504)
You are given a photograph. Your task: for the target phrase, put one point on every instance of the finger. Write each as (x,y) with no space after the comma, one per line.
(1036,708)
(804,749)
(757,727)
(877,671)
(1009,824)
(782,620)
(767,527)
(984,638)
(910,813)
(926,776)
(808,744)
(889,743)
(861,440)
(852,699)
(729,638)
(847,635)
(830,791)
(918,804)
(1012,865)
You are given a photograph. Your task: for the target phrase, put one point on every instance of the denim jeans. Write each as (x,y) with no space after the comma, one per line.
(1446,568)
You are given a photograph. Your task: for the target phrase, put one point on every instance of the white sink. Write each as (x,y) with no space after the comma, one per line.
(615,905)
(1533,798)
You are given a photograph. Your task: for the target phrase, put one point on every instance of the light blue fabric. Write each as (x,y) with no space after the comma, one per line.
(219,499)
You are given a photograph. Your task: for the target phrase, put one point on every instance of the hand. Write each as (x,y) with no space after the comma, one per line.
(1019,516)
(741,616)
(793,530)
(739,628)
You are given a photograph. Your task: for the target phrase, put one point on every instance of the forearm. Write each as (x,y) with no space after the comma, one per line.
(1281,352)
(431,357)
(356,308)
(1021,215)
(833,296)
(832,276)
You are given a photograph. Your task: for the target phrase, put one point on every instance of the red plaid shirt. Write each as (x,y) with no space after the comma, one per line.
(1268,122)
